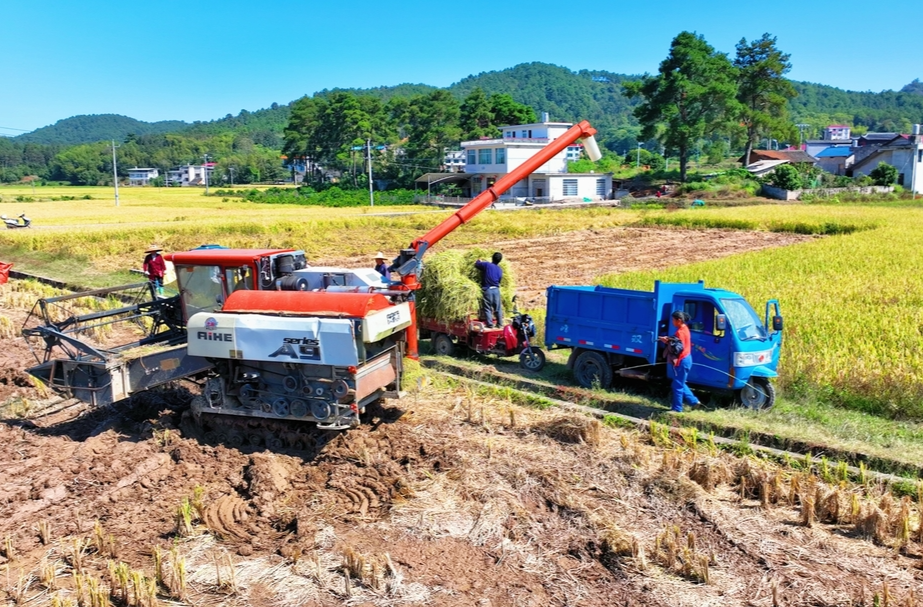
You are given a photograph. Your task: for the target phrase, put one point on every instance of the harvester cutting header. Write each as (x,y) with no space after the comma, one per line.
(279,339)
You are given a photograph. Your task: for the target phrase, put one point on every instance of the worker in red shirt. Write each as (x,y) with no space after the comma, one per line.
(155,267)
(679,362)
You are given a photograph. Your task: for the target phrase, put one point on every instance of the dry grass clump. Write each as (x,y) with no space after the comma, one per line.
(679,554)
(451,285)
(872,524)
(709,473)
(576,429)
(7,329)
(615,542)
(377,573)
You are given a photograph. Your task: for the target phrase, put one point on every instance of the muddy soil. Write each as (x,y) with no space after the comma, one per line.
(445,497)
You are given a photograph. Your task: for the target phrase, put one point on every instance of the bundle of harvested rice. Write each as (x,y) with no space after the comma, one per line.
(451,285)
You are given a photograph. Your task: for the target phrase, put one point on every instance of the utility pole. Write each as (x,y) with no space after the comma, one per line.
(801,127)
(639,155)
(115,173)
(368,143)
(205,169)
(231,171)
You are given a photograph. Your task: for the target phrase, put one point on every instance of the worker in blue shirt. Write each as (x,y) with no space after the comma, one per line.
(491,274)
(381,265)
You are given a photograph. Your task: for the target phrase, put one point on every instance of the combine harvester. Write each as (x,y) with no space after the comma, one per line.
(276,340)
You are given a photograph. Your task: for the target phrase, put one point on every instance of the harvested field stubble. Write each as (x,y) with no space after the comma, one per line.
(456,502)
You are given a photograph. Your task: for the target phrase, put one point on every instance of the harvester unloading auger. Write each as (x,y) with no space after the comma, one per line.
(277,340)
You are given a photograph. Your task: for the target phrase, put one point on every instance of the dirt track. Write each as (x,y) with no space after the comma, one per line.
(446,498)
(577,258)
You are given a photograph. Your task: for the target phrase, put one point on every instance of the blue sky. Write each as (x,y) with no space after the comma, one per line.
(200,61)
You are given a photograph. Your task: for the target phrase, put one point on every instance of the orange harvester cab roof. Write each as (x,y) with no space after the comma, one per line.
(299,303)
(221,257)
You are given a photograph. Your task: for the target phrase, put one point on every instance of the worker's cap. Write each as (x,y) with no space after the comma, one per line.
(380,255)
(152,248)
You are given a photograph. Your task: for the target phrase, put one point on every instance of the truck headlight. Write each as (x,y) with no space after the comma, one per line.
(752,359)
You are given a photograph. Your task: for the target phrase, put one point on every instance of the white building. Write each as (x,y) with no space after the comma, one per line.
(903,153)
(190,174)
(138,176)
(454,161)
(837,132)
(487,160)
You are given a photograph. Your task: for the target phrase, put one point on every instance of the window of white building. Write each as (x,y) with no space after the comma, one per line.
(485,156)
(600,187)
(501,155)
(471,157)
(570,187)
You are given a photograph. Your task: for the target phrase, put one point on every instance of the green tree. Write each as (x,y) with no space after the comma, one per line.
(507,112)
(324,130)
(762,90)
(716,151)
(431,123)
(476,117)
(691,96)
(884,174)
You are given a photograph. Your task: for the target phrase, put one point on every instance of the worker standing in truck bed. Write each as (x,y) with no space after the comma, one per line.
(491,275)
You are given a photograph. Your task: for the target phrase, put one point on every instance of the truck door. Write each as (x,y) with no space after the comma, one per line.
(711,348)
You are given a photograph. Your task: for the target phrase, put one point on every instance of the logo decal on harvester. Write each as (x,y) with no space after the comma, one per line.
(213,336)
(393,317)
(211,324)
(298,348)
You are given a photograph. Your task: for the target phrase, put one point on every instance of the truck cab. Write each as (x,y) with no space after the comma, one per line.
(732,347)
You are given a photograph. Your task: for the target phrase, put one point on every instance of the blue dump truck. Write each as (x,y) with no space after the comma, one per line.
(614,332)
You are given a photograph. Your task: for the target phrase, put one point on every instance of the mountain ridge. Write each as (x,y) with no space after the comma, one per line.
(567,95)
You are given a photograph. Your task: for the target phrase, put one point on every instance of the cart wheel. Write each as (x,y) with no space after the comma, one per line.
(443,345)
(759,393)
(532,359)
(592,370)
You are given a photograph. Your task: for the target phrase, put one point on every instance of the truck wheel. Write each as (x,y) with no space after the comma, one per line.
(592,370)
(532,359)
(443,345)
(759,393)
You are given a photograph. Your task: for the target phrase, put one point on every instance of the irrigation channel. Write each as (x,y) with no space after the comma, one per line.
(614,410)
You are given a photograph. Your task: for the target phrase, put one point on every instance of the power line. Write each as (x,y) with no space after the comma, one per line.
(9,128)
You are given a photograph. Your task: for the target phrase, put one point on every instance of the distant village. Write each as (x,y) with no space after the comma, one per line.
(480,163)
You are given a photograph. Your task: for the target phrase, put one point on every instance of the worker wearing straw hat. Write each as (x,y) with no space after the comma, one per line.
(154,267)
(381,265)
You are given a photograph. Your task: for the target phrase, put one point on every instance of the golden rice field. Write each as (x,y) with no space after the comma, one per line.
(853,300)
(90,239)
(853,303)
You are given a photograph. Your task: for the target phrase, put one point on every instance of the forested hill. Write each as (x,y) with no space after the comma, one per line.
(262,126)
(565,94)
(914,87)
(97,127)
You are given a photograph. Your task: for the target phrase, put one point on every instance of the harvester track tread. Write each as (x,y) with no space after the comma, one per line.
(258,432)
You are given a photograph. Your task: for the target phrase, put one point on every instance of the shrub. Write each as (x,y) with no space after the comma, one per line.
(786,177)
(884,174)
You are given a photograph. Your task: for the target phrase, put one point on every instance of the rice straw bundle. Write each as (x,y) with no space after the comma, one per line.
(451,285)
